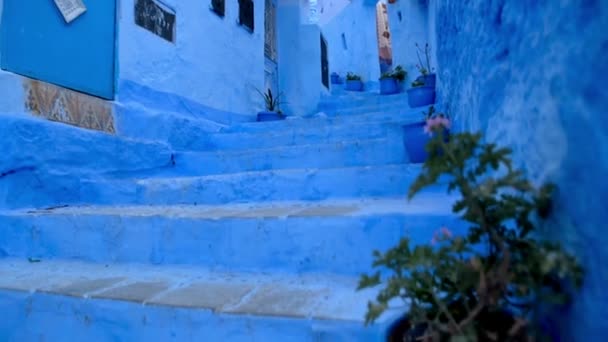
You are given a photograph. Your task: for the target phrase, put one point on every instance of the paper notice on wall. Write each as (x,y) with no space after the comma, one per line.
(70,9)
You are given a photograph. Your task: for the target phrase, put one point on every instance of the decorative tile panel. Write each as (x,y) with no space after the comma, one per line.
(63,105)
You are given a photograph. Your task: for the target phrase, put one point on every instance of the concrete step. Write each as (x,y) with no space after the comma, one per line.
(329,236)
(354,110)
(138,97)
(363,99)
(161,188)
(74,301)
(404,116)
(333,155)
(350,112)
(260,186)
(306,135)
(374,110)
(28,142)
(32,149)
(176,129)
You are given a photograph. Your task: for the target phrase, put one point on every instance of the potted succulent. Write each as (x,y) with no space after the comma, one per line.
(335,78)
(272,112)
(390,81)
(353,82)
(494,280)
(418,134)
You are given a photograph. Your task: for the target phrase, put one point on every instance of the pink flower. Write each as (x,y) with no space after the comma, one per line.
(441,234)
(446,232)
(445,122)
(437,122)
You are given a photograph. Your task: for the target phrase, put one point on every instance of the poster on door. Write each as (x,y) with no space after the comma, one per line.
(70,9)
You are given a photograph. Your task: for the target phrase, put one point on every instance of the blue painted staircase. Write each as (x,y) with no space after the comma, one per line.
(243,232)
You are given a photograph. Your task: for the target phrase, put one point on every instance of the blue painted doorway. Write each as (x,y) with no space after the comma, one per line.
(271,70)
(38,43)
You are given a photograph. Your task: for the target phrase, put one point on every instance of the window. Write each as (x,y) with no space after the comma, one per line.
(156,17)
(219,7)
(246,14)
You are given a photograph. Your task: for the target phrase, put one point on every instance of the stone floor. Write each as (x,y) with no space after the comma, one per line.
(286,295)
(426,203)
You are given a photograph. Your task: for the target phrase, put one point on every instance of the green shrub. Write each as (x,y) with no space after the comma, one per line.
(461,287)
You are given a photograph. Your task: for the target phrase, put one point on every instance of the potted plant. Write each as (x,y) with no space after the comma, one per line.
(353,82)
(335,78)
(390,81)
(272,112)
(416,135)
(494,281)
(427,76)
(422,92)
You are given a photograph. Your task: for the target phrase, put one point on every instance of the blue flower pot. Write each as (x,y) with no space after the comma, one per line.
(429,80)
(270,116)
(420,96)
(389,86)
(415,140)
(354,85)
(335,79)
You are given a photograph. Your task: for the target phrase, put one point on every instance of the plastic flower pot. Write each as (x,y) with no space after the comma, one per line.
(389,86)
(429,80)
(421,96)
(270,116)
(415,140)
(335,78)
(354,85)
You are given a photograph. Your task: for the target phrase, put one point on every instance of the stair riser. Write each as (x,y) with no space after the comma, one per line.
(334,244)
(401,116)
(39,316)
(341,112)
(322,134)
(352,101)
(299,185)
(365,153)
(44,145)
(176,129)
(354,110)
(293,185)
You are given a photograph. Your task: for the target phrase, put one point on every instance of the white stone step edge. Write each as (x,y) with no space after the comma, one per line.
(310,296)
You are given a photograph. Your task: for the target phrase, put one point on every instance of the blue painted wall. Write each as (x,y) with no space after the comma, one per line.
(299,51)
(13,95)
(214,61)
(213,68)
(531,75)
(408,22)
(357,22)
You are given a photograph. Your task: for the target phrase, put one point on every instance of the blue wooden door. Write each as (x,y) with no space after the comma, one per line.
(271,71)
(38,43)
